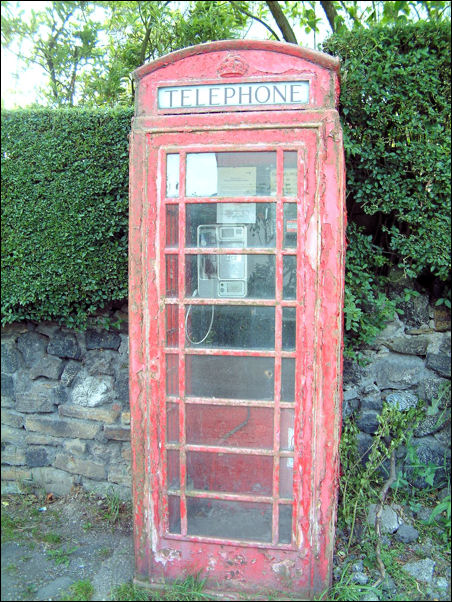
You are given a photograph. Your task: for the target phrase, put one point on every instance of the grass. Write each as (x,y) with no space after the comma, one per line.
(189,589)
(61,555)
(80,591)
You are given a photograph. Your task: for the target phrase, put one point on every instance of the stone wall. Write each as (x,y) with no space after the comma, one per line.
(65,408)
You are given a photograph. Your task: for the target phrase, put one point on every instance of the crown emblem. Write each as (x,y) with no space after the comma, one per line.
(232,66)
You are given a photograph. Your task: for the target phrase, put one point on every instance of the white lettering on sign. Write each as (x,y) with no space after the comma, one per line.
(233,95)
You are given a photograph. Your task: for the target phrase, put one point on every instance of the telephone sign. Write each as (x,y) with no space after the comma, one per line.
(236,292)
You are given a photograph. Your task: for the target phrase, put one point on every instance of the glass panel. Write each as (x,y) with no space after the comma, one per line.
(290,226)
(230,174)
(231,225)
(174,513)
(230,473)
(172,175)
(286,478)
(172,423)
(290,187)
(285,523)
(232,426)
(288,328)
(172,274)
(289,277)
(172,375)
(172,225)
(287,430)
(172,326)
(230,276)
(287,379)
(230,377)
(173,469)
(230,327)
(230,520)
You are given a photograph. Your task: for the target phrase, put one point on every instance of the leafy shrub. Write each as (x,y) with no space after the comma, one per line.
(395,111)
(64,213)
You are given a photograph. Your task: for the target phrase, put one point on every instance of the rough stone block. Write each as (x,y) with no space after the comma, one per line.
(41,439)
(395,371)
(13,455)
(33,347)
(122,386)
(107,415)
(64,345)
(432,424)
(99,361)
(402,400)
(12,435)
(441,316)
(47,328)
(407,534)
(390,520)
(439,362)
(70,371)
(69,429)
(87,468)
(92,390)
(53,480)
(102,339)
(36,456)
(416,345)
(12,418)
(436,453)
(34,396)
(105,488)
(421,570)
(14,330)
(10,358)
(47,366)
(75,446)
(106,452)
(119,433)
(121,474)
(368,421)
(125,417)
(12,473)
(126,452)
(7,389)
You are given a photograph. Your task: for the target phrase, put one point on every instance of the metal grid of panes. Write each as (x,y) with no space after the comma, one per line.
(229,226)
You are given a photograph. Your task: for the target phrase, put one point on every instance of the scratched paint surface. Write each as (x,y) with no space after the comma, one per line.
(235,446)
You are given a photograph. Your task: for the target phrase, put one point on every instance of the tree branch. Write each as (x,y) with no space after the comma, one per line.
(330,12)
(282,22)
(248,14)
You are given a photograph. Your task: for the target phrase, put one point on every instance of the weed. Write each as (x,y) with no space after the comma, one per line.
(442,514)
(87,526)
(79,591)
(104,553)
(12,527)
(61,556)
(111,514)
(11,568)
(52,538)
(128,591)
(345,589)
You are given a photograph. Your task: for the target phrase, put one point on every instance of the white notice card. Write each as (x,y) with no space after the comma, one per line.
(236,181)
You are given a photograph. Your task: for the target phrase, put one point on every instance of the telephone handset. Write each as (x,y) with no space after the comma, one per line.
(222,275)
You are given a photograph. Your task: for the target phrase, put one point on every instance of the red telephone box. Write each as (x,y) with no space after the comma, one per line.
(236,293)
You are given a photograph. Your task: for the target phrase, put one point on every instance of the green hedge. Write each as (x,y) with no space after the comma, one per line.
(65,186)
(395,111)
(64,213)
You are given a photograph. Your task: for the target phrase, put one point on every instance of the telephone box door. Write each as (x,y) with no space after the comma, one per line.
(238,438)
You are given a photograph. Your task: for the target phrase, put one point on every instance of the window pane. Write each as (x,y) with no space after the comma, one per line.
(286,478)
(231,225)
(230,174)
(172,176)
(229,473)
(172,423)
(230,327)
(290,187)
(230,377)
(229,520)
(172,325)
(290,226)
(173,469)
(288,328)
(285,523)
(289,277)
(172,375)
(287,430)
(174,513)
(287,379)
(172,226)
(172,275)
(230,276)
(232,426)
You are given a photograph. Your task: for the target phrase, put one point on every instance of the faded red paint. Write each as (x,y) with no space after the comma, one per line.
(304,565)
